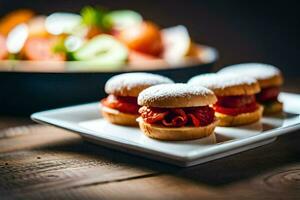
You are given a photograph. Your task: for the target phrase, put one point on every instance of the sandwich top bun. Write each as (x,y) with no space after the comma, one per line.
(131,84)
(226,84)
(266,75)
(176,95)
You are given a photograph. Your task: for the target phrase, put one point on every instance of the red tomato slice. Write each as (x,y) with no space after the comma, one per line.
(144,37)
(41,49)
(194,119)
(138,60)
(178,117)
(236,111)
(152,115)
(123,104)
(3,49)
(235,101)
(205,115)
(135,56)
(268,94)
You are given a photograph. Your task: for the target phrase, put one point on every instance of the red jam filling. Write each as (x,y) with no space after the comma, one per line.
(268,94)
(178,117)
(123,104)
(235,105)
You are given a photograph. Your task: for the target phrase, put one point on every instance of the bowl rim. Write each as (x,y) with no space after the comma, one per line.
(211,55)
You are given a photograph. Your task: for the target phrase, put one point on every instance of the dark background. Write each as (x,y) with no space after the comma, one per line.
(242,31)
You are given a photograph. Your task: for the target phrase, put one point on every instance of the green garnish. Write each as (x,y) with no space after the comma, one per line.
(107,20)
(12,56)
(59,46)
(93,16)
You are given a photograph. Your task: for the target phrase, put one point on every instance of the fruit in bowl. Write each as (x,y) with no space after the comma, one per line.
(95,39)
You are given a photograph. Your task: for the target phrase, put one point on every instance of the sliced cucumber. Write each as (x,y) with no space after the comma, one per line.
(16,38)
(61,22)
(176,42)
(102,52)
(121,19)
(73,43)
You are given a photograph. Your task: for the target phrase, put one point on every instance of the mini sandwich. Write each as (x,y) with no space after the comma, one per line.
(269,78)
(120,106)
(236,103)
(177,112)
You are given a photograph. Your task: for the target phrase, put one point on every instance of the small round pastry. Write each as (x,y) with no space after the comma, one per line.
(269,78)
(120,106)
(236,103)
(177,112)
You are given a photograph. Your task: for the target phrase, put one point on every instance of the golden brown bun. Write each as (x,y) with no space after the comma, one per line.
(131,84)
(266,74)
(183,133)
(227,84)
(273,108)
(241,119)
(276,80)
(244,89)
(176,95)
(117,117)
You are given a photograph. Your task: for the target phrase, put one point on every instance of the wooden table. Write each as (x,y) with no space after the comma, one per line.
(42,162)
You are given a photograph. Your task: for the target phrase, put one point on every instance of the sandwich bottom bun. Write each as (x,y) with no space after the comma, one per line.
(119,118)
(241,119)
(181,133)
(273,108)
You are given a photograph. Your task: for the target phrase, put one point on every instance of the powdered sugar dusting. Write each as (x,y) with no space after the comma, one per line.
(132,80)
(220,81)
(258,71)
(166,91)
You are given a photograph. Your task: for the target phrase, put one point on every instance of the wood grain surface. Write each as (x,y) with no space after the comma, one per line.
(43,162)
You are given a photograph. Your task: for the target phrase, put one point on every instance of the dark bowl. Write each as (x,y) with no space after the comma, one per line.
(24,90)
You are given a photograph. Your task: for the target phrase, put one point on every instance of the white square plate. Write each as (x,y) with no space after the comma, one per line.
(87,122)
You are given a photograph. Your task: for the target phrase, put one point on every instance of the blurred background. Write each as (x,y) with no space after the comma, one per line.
(242,31)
